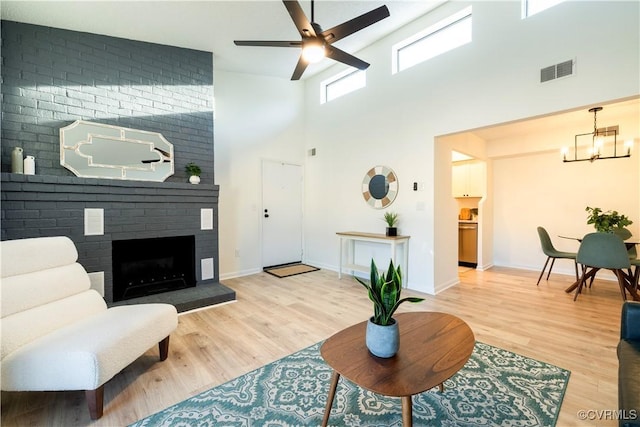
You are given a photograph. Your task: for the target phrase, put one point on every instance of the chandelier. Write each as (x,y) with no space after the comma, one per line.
(603,144)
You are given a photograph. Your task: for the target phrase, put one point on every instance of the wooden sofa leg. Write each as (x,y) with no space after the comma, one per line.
(164,348)
(95,400)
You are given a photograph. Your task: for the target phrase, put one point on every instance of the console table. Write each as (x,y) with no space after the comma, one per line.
(347,256)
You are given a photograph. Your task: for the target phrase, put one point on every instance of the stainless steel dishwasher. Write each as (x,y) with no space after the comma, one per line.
(468,244)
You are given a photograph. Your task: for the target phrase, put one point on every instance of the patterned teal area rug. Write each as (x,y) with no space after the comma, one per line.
(495,388)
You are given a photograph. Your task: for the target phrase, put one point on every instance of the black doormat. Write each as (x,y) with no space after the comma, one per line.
(290,270)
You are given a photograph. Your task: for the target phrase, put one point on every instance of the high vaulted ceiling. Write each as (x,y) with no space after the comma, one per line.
(212,25)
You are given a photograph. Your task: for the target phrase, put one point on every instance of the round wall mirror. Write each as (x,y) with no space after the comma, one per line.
(380,187)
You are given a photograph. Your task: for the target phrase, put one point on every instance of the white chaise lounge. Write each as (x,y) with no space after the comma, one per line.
(57,333)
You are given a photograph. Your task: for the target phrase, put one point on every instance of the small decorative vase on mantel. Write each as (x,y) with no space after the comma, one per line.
(392,231)
(17,161)
(382,335)
(194,172)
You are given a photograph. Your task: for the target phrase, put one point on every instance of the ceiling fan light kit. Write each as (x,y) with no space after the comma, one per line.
(316,43)
(313,51)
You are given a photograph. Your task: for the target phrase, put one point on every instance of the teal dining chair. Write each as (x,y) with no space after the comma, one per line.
(636,275)
(604,251)
(625,234)
(552,253)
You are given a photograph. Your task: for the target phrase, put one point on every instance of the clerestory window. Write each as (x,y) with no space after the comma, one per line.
(341,84)
(439,38)
(531,7)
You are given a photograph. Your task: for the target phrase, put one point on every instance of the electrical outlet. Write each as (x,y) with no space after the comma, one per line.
(237,253)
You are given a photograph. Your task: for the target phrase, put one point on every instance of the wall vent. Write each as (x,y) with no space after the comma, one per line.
(563,69)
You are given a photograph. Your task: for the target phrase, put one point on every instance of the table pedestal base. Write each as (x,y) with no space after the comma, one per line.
(625,280)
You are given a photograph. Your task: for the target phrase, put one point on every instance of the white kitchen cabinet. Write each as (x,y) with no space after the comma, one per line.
(468,179)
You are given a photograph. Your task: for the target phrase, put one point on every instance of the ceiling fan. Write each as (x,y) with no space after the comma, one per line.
(316,43)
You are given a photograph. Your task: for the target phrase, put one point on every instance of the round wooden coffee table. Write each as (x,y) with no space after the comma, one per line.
(433,347)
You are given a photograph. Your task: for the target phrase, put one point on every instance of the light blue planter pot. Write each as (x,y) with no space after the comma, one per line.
(383,341)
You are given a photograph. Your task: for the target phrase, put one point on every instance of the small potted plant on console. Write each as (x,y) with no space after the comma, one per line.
(391,218)
(194,172)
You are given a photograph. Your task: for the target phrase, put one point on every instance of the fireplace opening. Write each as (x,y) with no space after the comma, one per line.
(144,267)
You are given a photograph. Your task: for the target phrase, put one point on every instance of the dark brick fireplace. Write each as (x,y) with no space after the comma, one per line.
(52,77)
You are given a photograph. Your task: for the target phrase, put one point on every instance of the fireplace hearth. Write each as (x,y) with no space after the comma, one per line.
(143,267)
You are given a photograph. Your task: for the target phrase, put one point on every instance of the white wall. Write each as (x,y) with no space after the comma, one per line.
(256,118)
(394,120)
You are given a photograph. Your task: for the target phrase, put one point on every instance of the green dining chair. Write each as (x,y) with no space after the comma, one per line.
(636,274)
(603,251)
(552,253)
(625,234)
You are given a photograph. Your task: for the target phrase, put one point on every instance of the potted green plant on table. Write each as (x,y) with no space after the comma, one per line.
(609,221)
(391,218)
(382,335)
(194,172)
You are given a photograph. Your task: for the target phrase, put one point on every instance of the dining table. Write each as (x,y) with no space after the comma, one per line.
(628,243)
(628,277)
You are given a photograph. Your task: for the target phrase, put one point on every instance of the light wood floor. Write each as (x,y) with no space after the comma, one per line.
(275,317)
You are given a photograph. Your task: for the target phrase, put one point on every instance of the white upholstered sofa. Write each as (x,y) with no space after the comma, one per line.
(57,332)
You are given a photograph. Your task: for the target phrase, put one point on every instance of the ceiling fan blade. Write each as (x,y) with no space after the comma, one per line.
(300,67)
(267,43)
(299,18)
(344,57)
(356,24)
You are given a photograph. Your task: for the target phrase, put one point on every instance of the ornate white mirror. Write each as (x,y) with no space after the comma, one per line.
(94,150)
(380,187)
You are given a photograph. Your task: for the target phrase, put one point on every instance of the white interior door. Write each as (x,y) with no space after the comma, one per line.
(281,213)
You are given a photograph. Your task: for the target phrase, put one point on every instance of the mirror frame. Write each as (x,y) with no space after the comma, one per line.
(391,180)
(81,143)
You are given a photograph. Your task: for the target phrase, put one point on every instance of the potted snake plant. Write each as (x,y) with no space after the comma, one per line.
(382,335)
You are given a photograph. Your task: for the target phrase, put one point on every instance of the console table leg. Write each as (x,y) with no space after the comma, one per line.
(340,262)
(407,412)
(332,392)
